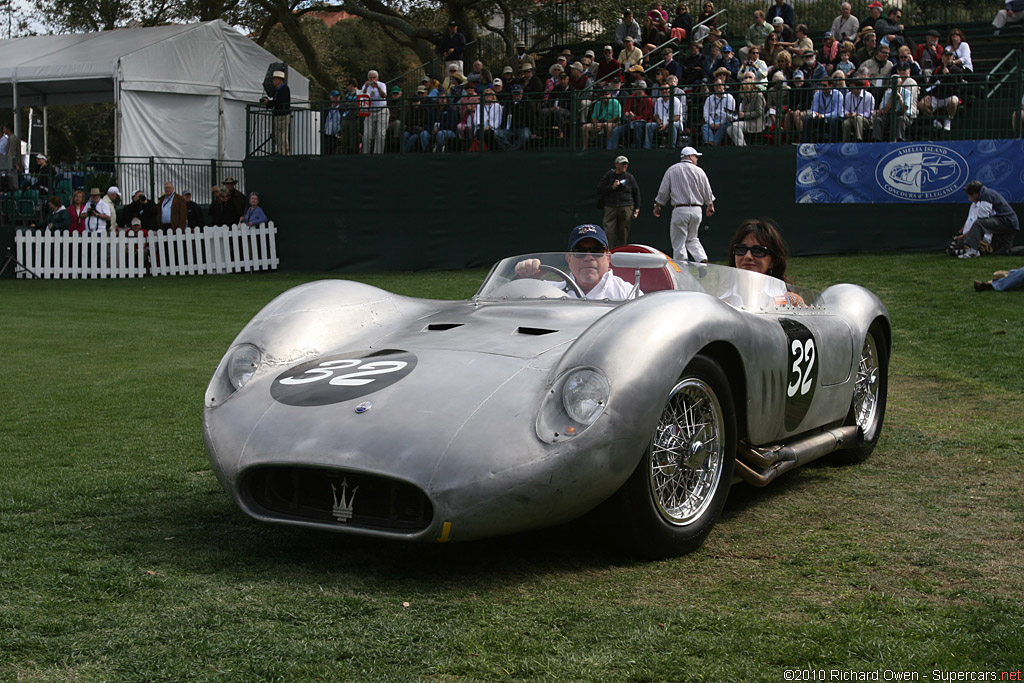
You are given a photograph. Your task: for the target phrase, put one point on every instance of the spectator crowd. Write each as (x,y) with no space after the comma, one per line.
(104,210)
(672,81)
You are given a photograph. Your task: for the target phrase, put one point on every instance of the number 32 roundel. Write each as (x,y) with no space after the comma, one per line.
(341,377)
(802,375)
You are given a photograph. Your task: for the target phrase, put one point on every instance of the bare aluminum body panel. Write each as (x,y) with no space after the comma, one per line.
(476,421)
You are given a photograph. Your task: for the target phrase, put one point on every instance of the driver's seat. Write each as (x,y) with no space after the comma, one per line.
(651,280)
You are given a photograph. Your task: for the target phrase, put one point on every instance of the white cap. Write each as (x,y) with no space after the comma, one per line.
(689,151)
(113,190)
(778,20)
(278,74)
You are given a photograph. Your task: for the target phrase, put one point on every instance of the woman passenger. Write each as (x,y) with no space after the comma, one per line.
(758,246)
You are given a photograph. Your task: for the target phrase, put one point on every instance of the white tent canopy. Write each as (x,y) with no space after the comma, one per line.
(179,91)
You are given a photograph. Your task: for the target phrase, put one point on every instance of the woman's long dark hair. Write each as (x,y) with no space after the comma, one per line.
(767,233)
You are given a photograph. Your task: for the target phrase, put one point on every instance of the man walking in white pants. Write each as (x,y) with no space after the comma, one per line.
(686,188)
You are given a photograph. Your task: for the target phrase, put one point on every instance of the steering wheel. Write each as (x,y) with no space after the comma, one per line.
(565,276)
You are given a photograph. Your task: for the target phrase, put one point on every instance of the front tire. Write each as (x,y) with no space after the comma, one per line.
(867,409)
(672,500)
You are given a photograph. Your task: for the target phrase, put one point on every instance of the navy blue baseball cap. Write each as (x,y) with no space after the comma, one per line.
(582,232)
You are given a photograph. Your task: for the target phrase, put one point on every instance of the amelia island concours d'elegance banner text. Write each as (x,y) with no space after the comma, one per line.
(886,173)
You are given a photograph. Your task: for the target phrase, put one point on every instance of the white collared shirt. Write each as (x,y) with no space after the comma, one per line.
(719,108)
(610,286)
(666,109)
(95,223)
(376,99)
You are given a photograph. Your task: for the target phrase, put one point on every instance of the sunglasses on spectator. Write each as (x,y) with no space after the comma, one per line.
(582,252)
(756,251)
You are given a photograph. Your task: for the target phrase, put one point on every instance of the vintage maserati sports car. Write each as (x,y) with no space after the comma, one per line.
(344,407)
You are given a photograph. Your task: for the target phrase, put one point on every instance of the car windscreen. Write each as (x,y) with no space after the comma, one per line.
(550,276)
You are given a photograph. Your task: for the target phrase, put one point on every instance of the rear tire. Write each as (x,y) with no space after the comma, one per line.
(672,500)
(867,409)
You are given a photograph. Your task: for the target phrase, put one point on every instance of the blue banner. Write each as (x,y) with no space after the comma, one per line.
(894,173)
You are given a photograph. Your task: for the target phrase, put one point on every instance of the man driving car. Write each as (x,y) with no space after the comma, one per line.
(590,264)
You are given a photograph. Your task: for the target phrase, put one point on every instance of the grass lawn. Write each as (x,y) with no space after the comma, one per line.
(122,559)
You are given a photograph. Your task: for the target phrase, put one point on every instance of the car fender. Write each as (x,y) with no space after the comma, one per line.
(670,328)
(860,308)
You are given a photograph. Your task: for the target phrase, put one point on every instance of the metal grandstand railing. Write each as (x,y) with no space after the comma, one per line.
(989,103)
(819,14)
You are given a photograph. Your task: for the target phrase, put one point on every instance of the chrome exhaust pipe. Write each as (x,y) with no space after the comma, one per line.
(760,466)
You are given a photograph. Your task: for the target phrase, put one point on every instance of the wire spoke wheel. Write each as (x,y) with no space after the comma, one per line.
(687,452)
(867,409)
(865,392)
(672,500)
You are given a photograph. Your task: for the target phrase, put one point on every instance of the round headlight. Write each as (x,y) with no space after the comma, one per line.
(242,363)
(585,395)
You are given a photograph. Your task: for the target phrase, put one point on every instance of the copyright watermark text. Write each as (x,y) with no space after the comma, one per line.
(899,675)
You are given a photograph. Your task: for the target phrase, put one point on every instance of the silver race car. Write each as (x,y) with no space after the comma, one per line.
(344,407)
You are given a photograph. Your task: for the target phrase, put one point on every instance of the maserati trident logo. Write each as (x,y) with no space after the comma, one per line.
(342,510)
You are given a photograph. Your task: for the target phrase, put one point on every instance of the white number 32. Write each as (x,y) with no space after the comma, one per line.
(349,379)
(803,361)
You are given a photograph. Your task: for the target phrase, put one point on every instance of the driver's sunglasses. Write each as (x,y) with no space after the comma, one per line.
(583,251)
(756,251)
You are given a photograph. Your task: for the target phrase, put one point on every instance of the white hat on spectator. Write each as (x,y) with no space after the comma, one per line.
(278,74)
(688,152)
(778,20)
(588,53)
(136,221)
(507,70)
(621,159)
(497,81)
(113,190)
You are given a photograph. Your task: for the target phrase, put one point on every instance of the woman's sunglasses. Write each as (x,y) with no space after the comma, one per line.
(756,251)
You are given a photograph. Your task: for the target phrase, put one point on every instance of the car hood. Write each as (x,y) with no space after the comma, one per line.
(518,330)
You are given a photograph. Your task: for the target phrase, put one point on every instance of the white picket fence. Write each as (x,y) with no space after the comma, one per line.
(193,251)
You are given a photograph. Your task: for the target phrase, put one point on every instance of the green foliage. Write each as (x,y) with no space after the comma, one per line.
(122,559)
(104,15)
(80,130)
(349,49)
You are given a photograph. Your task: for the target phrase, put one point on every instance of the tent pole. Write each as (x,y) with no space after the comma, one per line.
(46,132)
(17,110)
(117,111)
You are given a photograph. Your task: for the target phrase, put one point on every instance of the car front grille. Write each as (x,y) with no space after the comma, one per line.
(338,497)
